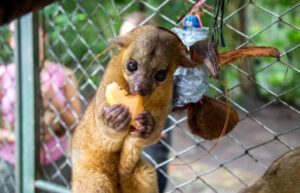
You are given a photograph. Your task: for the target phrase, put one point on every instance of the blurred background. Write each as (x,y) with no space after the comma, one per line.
(265,91)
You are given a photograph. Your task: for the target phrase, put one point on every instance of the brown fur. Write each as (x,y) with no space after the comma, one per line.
(106,160)
(283,176)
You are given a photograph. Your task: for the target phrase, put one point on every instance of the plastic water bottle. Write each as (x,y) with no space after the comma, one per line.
(190,84)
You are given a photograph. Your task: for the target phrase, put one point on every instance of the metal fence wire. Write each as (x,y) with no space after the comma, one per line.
(264,91)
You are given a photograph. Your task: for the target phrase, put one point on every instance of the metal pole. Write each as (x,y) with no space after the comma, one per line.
(50,187)
(27,127)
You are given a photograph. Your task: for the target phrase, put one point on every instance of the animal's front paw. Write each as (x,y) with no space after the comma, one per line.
(145,125)
(116,116)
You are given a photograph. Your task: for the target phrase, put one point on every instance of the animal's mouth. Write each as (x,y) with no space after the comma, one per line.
(141,93)
(134,93)
(133,130)
(140,89)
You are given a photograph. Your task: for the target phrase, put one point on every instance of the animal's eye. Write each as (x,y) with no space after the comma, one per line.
(161,75)
(132,66)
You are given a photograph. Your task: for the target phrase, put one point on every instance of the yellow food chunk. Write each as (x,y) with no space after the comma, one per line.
(115,95)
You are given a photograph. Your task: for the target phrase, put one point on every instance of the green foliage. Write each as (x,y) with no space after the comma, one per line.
(78,30)
(72,25)
(269,30)
(279,77)
(6,53)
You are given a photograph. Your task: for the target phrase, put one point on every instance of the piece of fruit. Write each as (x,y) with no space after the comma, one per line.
(115,95)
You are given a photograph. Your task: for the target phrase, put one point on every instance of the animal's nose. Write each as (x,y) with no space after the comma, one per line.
(142,89)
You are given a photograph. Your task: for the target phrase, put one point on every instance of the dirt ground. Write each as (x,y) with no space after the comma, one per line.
(228,168)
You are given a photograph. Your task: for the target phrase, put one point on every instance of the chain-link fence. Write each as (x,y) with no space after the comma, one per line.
(264,91)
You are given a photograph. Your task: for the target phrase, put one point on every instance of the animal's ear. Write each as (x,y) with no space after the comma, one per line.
(187,62)
(121,41)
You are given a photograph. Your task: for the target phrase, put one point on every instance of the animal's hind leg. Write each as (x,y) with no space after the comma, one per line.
(91,182)
(142,179)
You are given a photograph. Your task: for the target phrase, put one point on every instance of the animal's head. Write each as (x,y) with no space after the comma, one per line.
(150,57)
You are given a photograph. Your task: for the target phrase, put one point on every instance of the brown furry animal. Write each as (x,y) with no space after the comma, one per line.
(283,176)
(105,150)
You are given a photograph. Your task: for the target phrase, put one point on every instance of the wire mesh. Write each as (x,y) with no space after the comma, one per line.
(264,91)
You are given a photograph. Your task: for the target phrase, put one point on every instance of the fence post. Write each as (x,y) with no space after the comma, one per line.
(27,127)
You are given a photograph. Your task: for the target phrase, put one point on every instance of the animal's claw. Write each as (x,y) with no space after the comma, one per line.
(116,116)
(145,125)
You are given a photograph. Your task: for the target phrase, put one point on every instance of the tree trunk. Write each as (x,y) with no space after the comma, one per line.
(247,85)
